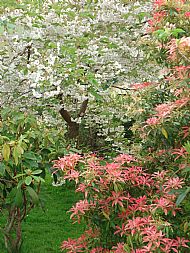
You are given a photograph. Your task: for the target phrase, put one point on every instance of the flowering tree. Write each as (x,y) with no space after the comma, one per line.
(58,54)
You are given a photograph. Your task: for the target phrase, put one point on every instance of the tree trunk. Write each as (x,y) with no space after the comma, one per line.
(12,231)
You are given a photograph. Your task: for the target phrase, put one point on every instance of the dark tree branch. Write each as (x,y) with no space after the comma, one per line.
(66,116)
(83,108)
(121,88)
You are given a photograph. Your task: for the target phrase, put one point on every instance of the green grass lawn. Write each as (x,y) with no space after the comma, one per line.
(43,231)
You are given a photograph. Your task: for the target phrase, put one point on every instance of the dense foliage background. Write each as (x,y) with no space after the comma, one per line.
(104,85)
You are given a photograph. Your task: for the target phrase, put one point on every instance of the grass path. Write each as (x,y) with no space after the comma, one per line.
(43,231)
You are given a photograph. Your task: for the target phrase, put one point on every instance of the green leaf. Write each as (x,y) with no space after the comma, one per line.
(164,132)
(6,151)
(187,146)
(35,172)
(106,215)
(20,183)
(19,175)
(18,117)
(182,196)
(3,139)
(2,169)
(95,94)
(38,179)
(162,34)
(127,248)
(186,170)
(33,194)
(177,31)
(115,187)
(19,198)
(28,180)
(17,152)
(75,150)
(30,164)
(41,179)
(29,155)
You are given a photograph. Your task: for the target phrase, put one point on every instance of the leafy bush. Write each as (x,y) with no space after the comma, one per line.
(126,208)
(25,152)
(20,173)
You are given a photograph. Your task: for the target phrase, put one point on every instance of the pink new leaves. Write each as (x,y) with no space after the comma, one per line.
(164,110)
(80,208)
(125,198)
(117,198)
(67,162)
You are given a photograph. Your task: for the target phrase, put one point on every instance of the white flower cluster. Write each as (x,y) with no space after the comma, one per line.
(77,48)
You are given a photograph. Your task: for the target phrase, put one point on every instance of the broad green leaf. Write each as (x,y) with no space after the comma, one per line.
(36,172)
(19,175)
(20,150)
(19,198)
(11,195)
(33,194)
(6,151)
(29,155)
(20,183)
(2,169)
(177,31)
(17,152)
(182,196)
(185,226)
(28,180)
(41,179)
(1,140)
(162,34)
(164,132)
(30,164)
(15,157)
(38,179)
(5,138)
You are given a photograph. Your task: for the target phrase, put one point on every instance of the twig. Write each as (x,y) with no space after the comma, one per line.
(121,88)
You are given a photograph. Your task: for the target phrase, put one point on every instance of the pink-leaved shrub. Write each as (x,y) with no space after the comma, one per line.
(125,208)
